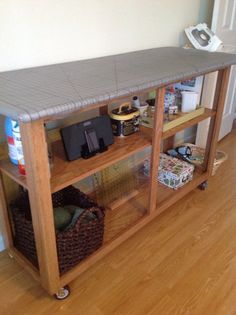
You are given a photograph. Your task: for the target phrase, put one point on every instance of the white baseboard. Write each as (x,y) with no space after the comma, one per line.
(2,246)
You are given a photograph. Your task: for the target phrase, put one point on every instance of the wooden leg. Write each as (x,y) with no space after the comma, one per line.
(218,106)
(38,181)
(156,144)
(103,110)
(168,143)
(4,217)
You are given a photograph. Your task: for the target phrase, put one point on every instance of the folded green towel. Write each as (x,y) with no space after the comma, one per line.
(75,215)
(62,217)
(66,217)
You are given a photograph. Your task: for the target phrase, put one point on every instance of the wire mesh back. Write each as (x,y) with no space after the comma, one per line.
(115,181)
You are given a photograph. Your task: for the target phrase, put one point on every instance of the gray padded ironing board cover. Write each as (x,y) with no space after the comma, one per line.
(34,93)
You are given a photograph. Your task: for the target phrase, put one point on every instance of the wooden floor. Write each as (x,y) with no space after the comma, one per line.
(184,262)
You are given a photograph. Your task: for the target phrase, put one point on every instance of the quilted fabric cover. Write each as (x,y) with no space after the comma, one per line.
(35,93)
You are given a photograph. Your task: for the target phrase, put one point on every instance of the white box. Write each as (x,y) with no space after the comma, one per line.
(172,172)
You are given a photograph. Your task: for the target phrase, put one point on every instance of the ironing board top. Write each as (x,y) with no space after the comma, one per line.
(41,92)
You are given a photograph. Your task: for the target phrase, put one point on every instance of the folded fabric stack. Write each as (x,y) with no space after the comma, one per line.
(67,216)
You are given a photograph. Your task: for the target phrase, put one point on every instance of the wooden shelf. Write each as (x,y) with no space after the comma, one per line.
(12,171)
(180,124)
(173,121)
(125,220)
(133,210)
(121,218)
(128,219)
(167,196)
(65,172)
(189,123)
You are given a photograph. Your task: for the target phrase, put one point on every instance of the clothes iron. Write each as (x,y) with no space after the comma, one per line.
(201,37)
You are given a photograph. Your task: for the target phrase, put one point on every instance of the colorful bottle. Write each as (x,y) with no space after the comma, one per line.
(18,145)
(169,98)
(10,141)
(136,102)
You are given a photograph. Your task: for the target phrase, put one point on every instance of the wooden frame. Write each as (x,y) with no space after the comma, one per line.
(218,106)
(40,187)
(156,147)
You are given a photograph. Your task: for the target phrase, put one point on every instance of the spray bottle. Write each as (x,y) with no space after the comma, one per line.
(18,145)
(10,141)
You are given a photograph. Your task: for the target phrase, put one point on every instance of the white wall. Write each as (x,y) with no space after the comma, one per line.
(34,33)
(38,32)
(41,32)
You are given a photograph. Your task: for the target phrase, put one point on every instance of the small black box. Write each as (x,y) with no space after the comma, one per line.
(76,137)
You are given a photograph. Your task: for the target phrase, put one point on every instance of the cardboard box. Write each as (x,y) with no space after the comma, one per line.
(173,172)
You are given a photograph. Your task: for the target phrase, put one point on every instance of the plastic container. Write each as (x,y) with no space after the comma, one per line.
(12,152)
(136,101)
(169,98)
(141,106)
(125,120)
(189,101)
(18,146)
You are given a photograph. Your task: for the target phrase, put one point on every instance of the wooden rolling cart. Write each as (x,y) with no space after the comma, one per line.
(41,184)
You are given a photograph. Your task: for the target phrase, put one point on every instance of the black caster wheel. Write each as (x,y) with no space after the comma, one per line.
(63,293)
(203,186)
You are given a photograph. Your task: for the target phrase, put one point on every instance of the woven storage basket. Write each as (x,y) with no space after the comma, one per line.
(74,244)
(200,153)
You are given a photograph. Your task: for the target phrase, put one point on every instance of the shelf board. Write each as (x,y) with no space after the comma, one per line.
(12,171)
(183,121)
(180,124)
(180,118)
(167,196)
(128,219)
(121,218)
(66,172)
(124,221)
(126,215)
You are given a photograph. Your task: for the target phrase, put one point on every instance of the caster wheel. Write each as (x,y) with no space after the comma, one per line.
(203,186)
(63,293)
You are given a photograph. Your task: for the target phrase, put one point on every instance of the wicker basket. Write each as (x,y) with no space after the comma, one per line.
(199,153)
(74,244)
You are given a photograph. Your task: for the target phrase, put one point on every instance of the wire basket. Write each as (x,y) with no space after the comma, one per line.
(74,244)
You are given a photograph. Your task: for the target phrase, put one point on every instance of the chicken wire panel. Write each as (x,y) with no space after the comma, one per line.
(119,180)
